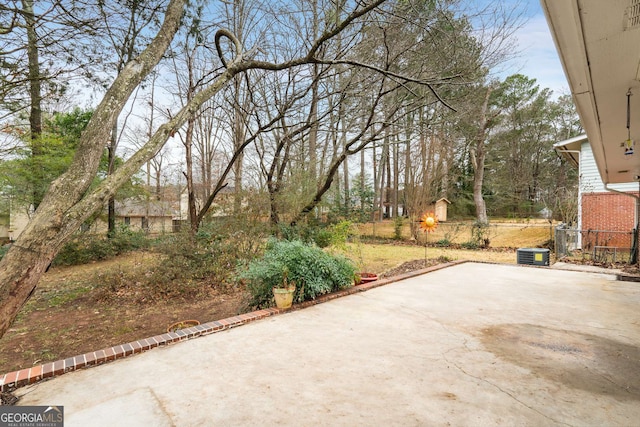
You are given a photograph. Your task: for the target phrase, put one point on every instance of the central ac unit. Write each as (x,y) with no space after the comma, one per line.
(533,256)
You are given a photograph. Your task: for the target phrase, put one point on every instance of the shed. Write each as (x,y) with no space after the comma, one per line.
(439,207)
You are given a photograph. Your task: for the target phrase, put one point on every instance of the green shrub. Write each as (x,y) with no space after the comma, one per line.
(199,257)
(340,234)
(323,238)
(469,245)
(397,227)
(85,249)
(3,250)
(443,243)
(314,272)
(244,233)
(301,232)
(126,240)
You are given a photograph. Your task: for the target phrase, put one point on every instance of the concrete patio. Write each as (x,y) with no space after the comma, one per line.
(473,345)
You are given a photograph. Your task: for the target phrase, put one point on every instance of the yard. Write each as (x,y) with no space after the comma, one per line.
(69,315)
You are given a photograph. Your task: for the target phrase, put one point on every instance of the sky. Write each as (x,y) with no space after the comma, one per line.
(539,58)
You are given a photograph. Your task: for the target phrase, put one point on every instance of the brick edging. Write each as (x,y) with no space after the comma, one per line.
(23,377)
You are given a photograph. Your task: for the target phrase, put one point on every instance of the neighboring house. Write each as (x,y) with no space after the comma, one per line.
(13,219)
(153,216)
(221,206)
(609,210)
(139,214)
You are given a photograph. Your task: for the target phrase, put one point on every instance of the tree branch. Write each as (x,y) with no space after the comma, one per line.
(229,35)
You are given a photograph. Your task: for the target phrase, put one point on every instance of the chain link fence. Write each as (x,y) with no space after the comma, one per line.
(603,246)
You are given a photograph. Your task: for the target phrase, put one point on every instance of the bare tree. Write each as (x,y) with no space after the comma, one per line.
(68,204)
(69,201)
(478,153)
(125,25)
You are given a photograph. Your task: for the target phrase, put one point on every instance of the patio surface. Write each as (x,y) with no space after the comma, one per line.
(473,345)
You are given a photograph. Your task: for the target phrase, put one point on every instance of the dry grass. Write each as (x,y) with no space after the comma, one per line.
(517,236)
(379,258)
(506,235)
(502,233)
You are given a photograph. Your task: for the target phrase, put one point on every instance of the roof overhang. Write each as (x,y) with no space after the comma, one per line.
(570,149)
(599,46)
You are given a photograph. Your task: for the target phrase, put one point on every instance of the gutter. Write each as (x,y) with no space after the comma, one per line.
(570,159)
(613,190)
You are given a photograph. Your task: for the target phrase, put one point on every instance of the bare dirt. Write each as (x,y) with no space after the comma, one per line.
(416,264)
(66,318)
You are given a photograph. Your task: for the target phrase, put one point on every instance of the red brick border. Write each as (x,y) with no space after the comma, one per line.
(13,380)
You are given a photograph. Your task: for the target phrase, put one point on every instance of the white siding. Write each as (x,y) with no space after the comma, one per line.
(590,181)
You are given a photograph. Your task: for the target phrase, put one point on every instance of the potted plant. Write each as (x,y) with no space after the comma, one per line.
(283,292)
(314,272)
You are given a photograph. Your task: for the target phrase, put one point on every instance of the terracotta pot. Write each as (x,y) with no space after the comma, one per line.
(368,277)
(283,297)
(183,324)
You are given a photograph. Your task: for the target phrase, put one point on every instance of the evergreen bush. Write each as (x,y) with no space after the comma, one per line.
(397,227)
(443,243)
(314,272)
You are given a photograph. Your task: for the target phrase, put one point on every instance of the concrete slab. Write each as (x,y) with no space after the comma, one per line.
(473,345)
(139,407)
(584,267)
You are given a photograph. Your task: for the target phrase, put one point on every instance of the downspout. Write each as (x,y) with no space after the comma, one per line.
(634,248)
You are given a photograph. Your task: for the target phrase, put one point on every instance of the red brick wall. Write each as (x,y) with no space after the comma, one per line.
(609,212)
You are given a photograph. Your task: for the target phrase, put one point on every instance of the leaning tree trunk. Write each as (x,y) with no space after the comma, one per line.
(60,214)
(67,204)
